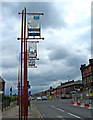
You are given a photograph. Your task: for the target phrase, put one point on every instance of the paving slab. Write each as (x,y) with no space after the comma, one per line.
(13,113)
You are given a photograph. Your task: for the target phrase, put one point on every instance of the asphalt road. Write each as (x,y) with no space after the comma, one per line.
(62,109)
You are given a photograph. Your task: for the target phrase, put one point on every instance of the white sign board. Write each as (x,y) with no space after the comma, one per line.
(32,50)
(31,63)
(33,25)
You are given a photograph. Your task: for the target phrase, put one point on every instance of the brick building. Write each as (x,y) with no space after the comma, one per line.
(2,85)
(65,90)
(87,78)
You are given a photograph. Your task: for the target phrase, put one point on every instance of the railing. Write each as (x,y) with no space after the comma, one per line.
(5,103)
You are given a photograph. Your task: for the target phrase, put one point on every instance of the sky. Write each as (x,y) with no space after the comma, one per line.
(66,27)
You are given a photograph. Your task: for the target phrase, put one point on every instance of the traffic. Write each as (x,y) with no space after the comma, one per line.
(38,98)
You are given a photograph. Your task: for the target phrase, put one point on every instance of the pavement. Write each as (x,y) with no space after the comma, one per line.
(13,113)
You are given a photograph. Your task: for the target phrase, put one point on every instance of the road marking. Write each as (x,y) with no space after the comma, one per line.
(75,115)
(60,109)
(59,116)
(52,106)
(39,113)
(57,108)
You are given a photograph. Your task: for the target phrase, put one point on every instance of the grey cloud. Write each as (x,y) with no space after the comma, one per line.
(9,62)
(55,74)
(10,75)
(62,61)
(75,60)
(84,37)
(52,17)
(59,53)
(10,55)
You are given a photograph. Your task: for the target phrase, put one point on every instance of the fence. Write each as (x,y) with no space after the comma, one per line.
(5,103)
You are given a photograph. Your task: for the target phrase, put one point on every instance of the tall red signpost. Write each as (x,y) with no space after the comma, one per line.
(28,57)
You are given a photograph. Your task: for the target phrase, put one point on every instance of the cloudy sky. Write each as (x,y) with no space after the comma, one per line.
(66,27)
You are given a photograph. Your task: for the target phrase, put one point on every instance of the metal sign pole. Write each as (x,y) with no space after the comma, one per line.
(26,76)
(25,72)
(21,65)
(33,33)
(18,94)
(19,99)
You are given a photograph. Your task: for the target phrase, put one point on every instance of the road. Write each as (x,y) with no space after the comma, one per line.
(62,109)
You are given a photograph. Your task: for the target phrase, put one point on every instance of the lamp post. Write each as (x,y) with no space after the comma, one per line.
(68,78)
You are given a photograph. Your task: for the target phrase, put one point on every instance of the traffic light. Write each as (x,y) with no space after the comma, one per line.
(28,86)
(29,92)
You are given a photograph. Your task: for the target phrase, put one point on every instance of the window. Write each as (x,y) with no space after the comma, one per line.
(88,70)
(84,80)
(89,79)
(83,72)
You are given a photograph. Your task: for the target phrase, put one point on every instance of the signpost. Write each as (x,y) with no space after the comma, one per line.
(28,56)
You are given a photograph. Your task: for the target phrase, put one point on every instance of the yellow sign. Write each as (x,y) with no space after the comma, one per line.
(81,97)
(49,98)
(91,94)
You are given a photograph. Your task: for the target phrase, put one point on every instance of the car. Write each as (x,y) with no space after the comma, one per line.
(32,98)
(38,98)
(44,98)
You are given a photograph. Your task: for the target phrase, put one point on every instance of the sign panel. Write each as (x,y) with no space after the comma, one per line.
(32,49)
(33,24)
(32,63)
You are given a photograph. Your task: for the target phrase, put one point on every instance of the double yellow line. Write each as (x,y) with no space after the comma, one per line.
(39,113)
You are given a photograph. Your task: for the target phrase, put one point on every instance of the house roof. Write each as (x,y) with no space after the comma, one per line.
(2,80)
(84,66)
(70,84)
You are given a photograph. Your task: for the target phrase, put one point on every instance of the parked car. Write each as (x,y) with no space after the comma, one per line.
(44,98)
(32,98)
(38,98)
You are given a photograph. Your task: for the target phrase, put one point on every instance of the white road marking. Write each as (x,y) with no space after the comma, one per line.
(75,115)
(59,116)
(57,108)
(60,109)
(52,106)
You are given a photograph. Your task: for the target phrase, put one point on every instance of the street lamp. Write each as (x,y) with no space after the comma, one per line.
(68,77)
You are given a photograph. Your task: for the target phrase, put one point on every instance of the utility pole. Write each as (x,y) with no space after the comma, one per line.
(28,56)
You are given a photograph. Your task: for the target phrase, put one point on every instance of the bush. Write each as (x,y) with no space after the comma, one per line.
(11,98)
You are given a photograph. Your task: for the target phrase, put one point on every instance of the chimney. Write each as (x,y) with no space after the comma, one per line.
(82,66)
(90,61)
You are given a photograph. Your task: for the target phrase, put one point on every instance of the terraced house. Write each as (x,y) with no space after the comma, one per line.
(65,90)
(2,85)
(87,78)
